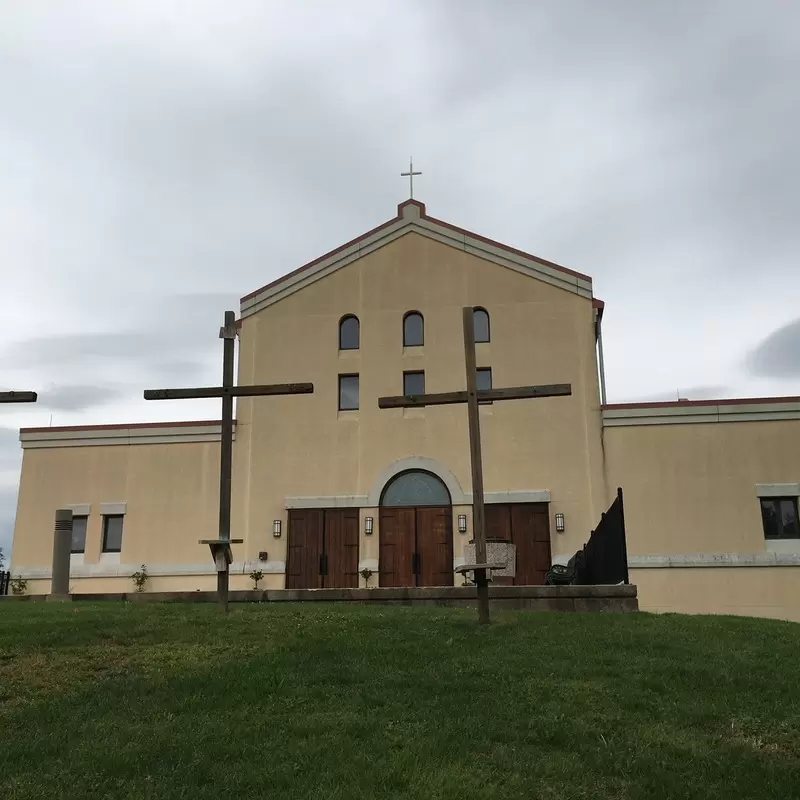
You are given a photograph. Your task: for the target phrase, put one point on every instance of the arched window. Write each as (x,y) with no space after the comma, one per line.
(348,333)
(480,323)
(413,329)
(415,488)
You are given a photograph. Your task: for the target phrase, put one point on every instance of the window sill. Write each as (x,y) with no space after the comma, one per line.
(109,558)
(349,354)
(416,350)
(787,546)
(351,414)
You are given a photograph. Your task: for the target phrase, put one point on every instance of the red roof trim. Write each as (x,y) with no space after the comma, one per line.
(123,426)
(321,258)
(693,403)
(507,248)
(423,215)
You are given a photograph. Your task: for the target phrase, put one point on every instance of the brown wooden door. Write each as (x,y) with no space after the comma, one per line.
(304,548)
(434,546)
(397,546)
(530,532)
(340,548)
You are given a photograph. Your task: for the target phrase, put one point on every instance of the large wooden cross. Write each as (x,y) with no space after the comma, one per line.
(221,546)
(472,397)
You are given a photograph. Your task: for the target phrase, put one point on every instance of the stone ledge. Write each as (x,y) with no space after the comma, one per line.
(537,598)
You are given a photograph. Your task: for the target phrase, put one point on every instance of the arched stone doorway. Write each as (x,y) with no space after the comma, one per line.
(416,531)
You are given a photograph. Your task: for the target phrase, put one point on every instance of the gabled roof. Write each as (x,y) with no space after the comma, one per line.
(411,217)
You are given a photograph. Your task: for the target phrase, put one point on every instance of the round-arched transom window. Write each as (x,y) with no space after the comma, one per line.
(415,488)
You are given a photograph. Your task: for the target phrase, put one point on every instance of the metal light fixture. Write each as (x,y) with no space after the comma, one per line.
(368,526)
(560,522)
(276,528)
(462,523)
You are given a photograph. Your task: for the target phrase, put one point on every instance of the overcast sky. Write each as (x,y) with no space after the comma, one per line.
(161,159)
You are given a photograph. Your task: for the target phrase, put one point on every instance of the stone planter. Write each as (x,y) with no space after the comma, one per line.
(497,551)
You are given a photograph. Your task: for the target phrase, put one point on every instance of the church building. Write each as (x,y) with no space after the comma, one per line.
(328,485)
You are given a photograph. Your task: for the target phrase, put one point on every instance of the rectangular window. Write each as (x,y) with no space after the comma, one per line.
(112,533)
(78,534)
(348,392)
(779,515)
(413,383)
(484,375)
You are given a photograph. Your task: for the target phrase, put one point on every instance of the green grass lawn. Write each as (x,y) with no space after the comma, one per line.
(320,701)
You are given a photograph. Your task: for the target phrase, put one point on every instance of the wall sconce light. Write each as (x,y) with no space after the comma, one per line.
(263,555)
(368,526)
(276,528)
(462,523)
(560,522)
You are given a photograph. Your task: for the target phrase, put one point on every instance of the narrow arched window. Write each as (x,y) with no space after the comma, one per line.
(348,333)
(480,324)
(413,329)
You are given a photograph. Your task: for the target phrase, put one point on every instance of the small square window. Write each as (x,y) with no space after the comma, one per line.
(112,533)
(779,517)
(348,392)
(413,383)
(78,534)
(484,381)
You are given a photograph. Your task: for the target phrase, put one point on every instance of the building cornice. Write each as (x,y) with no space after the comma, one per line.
(130,434)
(683,412)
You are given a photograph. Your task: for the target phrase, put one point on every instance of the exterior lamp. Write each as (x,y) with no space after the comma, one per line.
(560,522)
(462,523)
(368,526)
(276,528)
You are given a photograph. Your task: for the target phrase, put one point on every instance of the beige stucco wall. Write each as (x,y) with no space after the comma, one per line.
(750,591)
(691,488)
(301,445)
(171,493)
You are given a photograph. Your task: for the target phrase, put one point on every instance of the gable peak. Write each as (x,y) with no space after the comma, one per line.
(411,209)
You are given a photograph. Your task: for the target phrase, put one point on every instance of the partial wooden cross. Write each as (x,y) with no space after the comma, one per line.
(221,546)
(472,397)
(18,397)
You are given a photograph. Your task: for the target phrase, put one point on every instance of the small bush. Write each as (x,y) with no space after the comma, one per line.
(256,575)
(139,578)
(19,585)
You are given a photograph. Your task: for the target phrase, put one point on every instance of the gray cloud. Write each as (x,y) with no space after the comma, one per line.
(159,166)
(77,398)
(778,356)
(10,454)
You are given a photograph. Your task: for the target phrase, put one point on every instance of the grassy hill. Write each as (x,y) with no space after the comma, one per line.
(174,701)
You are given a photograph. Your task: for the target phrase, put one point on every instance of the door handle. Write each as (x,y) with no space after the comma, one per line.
(415,563)
(323,564)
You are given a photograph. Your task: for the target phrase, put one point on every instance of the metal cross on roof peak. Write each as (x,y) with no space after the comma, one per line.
(410,175)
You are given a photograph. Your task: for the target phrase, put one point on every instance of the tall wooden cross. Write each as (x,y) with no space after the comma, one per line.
(18,397)
(472,397)
(410,175)
(221,546)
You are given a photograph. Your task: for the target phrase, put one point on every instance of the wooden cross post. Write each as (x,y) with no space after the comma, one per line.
(221,546)
(472,397)
(18,397)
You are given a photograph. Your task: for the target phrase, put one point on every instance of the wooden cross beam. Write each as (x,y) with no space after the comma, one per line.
(472,397)
(18,397)
(220,548)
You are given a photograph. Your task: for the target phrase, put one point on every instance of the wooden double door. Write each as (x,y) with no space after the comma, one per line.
(527,525)
(322,548)
(416,546)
